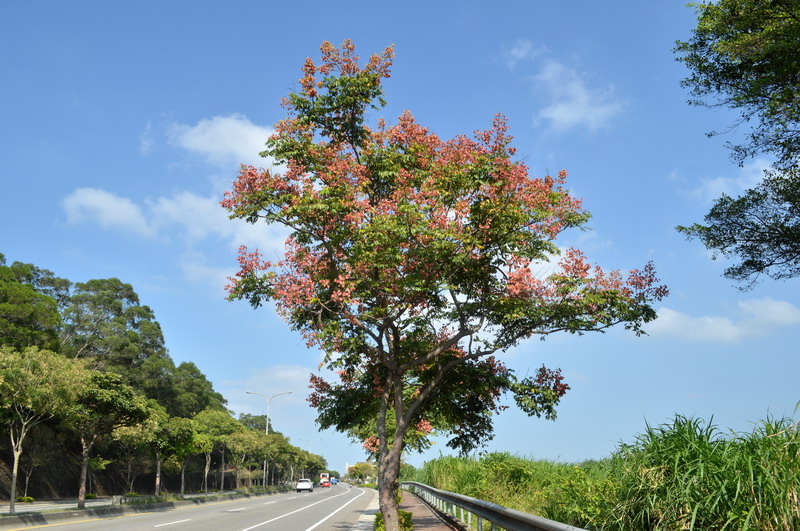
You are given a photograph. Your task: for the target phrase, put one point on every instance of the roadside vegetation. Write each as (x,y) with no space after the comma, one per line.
(92,403)
(687,474)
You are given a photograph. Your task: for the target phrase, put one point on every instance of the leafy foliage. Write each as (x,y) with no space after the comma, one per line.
(35,385)
(411,261)
(29,316)
(761,228)
(743,55)
(49,398)
(683,475)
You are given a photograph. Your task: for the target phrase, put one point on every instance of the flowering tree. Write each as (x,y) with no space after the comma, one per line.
(413,260)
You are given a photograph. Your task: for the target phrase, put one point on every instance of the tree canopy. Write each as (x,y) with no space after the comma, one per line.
(35,386)
(413,260)
(102,405)
(743,55)
(29,314)
(108,356)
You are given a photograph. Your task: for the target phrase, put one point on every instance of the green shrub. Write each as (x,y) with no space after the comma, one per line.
(406,524)
(683,475)
(25,499)
(91,496)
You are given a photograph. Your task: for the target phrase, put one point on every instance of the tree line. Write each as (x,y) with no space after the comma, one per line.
(87,385)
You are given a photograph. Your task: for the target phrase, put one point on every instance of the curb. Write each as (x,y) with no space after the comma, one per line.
(44,518)
(366,522)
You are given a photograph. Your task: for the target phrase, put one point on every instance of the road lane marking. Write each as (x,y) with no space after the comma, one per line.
(328,498)
(175,522)
(234,510)
(336,511)
(267,503)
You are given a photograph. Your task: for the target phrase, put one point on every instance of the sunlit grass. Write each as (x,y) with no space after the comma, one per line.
(678,476)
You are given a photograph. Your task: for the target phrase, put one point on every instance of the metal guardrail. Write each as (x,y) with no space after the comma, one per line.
(463,508)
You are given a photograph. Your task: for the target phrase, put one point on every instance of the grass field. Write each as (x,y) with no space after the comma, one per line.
(687,474)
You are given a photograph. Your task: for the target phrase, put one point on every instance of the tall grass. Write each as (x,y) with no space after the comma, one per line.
(685,475)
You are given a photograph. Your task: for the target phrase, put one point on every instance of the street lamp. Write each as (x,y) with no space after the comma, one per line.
(266,426)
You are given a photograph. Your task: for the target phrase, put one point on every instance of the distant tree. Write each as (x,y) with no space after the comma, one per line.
(253,422)
(43,449)
(184,444)
(105,323)
(42,280)
(362,471)
(102,405)
(133,443)
(413,260)
(35,385)
(192,392)
(246,447)
(169,437)
(203,443)
(279,454)
(219,426)
(28,317)
(743,55)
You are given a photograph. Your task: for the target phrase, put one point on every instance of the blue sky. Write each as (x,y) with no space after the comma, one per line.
(123,123)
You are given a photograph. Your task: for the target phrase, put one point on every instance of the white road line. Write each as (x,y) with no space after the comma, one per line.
(270,502)
(175,522)
(234,510)
(336,511)
(298,510)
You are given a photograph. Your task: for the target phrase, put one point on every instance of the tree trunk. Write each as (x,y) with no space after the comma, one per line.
(130,475)
(28,474)
(158,474)
(86,446)
(183,473)
(388,475)
(17,450)
(390,449)
(205,474)
(222,471)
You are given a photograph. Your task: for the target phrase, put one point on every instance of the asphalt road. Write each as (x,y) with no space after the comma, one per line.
(336,508)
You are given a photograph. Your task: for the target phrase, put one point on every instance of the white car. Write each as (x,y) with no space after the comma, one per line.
(304,484)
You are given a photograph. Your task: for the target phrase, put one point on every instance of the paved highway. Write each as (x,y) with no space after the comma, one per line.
(336,508)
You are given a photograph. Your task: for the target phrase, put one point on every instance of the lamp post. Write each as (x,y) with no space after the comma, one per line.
(266,426)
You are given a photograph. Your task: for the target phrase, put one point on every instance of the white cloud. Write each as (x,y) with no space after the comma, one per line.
(146,140)
(108,210)
(573,102)
(198,273)
(191,218)
(224,141)
(755,318)
(200,217)
(521,50)
(747,177)
(269,381)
